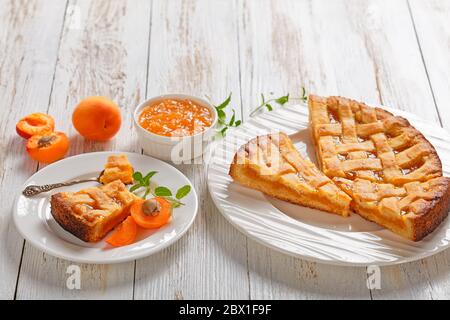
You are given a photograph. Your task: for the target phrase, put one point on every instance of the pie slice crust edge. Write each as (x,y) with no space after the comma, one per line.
(91,213)
(391,171)
(272,165)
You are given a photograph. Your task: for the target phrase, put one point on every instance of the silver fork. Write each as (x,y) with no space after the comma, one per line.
(33,190)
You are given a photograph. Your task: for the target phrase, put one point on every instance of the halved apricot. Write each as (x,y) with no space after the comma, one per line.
(33,124)
(151,213)
(49,147)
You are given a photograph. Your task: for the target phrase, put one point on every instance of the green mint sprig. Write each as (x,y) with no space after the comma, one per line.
(268,103)
(222,117)
(159,191)
(265,103)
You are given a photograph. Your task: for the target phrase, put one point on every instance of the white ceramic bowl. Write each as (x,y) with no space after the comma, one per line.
(175,149)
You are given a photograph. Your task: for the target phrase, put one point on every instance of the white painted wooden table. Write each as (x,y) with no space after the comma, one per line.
(54,53)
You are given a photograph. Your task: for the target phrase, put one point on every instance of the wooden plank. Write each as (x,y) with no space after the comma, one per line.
(105,55)
(433,32)
(424,279)
(194,50)
(26,72)
(362,49)
(427,279)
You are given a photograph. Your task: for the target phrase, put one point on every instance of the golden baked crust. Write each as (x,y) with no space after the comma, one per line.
(272,165)
(426,203)
(91,213)
(117,168)
(391,171)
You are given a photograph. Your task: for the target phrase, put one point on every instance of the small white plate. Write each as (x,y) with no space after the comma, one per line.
(307,233)
(35,222)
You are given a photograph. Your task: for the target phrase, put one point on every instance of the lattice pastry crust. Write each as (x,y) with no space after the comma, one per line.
(391,171)
(271,164)
(91,213)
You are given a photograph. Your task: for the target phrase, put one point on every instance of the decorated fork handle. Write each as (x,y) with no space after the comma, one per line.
(33,190)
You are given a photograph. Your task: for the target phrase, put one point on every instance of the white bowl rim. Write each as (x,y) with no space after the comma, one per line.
(170,140)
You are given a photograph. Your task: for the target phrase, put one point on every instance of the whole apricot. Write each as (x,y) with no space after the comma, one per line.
(97,118)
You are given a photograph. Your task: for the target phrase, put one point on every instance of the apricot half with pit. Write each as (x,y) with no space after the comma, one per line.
(49,147)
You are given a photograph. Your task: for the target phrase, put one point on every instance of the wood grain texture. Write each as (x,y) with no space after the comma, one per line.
(429,278)
(194,51)
(103,51)
(55,53)
(26,73)
(431,21)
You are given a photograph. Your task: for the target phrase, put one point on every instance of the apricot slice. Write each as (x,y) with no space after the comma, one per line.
(124,234)
(97,118)
(33,124)
(49,147)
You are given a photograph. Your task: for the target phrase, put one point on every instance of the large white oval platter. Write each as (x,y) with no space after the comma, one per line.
(307,233)
(35,223)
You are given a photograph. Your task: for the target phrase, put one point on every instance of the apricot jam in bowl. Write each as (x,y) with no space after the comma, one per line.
(175,127)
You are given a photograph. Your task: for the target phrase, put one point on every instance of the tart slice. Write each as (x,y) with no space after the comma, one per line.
(117,168)
(91,213)
(412,211)
(272,165)
(391,171)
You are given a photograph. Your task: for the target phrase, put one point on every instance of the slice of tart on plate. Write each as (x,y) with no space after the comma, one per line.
(55,224)
(391,171)
(91,213)
(272,165)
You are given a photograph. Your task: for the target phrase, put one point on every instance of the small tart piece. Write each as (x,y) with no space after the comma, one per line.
(118,167)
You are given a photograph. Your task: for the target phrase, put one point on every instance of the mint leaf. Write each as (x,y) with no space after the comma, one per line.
(223,131)
(221,115)
(176,204)
(282,100)
(137,176)
(135,187)
(163,192)
(224,104)
(269,107)
(183,191)
(233,117)
(148,176)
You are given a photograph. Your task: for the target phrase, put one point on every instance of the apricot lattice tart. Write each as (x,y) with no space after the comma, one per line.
(271,164)
(390,170)
(117,168)
(91,213)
